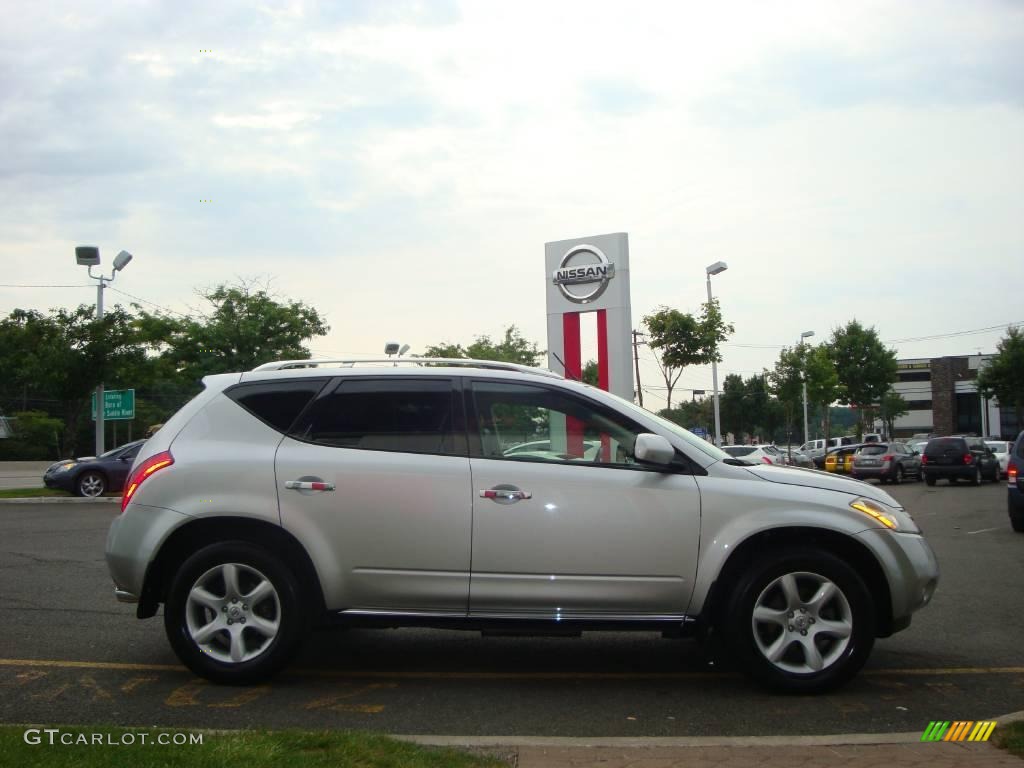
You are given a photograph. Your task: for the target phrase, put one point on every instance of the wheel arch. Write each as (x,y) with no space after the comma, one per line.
(200,532)
(853,552)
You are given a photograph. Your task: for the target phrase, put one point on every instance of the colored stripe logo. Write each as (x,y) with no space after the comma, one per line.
(958,730)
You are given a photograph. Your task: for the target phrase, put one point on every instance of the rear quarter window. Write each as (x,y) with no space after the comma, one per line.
(276,403)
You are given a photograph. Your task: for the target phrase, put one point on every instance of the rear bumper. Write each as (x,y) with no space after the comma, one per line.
(950,472)
(866,473)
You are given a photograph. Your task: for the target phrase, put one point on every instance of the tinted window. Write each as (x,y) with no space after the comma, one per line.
(941,445)
(739,450)
(873,450)
(407,415)
(512,418)
(277,403)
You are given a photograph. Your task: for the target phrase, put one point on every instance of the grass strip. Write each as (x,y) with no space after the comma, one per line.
(109,747)
(1010,737)
(30,493)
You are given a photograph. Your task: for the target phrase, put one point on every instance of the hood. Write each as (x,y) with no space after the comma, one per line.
(814,478)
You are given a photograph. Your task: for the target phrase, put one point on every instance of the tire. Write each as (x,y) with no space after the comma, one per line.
(235,654)
(780,588)
(1017,520)
(976,480)
(929,480)
(897,478)
(91,484)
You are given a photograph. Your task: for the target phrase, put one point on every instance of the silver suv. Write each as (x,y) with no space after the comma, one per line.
(298,494)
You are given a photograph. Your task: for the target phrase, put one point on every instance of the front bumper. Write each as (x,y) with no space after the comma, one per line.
(61,481)
(910,567)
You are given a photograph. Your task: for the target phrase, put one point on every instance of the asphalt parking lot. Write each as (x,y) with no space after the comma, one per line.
(70,654)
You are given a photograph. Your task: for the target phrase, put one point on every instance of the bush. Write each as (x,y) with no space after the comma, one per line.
(36,437)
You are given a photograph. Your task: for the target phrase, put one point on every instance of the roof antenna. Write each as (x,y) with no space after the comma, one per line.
(565,371)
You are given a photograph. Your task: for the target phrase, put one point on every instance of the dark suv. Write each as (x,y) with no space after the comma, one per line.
(1015,485)
(959,458)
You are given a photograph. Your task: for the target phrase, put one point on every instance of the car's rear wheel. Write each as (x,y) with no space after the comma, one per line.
(1017,520)
(234,613)
(800,621)
(91,484)
(976,480)
(897,476)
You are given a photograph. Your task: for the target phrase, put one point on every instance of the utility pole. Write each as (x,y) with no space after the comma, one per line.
(636,366)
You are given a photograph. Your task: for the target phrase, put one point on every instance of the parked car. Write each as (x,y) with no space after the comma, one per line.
(816,449)
(542,449)
(795,457)
(959,458)
(1015,484)
(91,475)
(917,444)
(282,498)
(840,460)
(887,462)
(1001,448)
(754,454)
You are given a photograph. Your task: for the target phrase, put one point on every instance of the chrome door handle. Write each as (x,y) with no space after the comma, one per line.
(505,495)
(307,485)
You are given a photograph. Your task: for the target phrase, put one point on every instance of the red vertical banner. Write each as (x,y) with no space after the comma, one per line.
(602,374)
(573,370)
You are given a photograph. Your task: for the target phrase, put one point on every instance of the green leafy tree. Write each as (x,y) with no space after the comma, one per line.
(786,383)
(590,374)
(1003,377)
(822,383)
(36,436)
(243,327)
(60,358)
(865,367)
(891,408)
(682,339)
(511,348)
(733,408)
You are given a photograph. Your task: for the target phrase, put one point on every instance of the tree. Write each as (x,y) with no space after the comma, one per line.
(891,408)
(1003,377)
(822,382)
(786,382)
(244,328)
(866,369)
(60,358)
(683,339)
(513,348)
(590,374)
(733,411)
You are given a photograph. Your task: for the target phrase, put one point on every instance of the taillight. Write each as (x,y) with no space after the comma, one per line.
(887,457)
(144,471)
(766,460)
(968,458)
(924,459)
(1011,473)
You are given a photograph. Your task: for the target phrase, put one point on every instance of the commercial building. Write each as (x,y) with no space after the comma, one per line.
(942,397)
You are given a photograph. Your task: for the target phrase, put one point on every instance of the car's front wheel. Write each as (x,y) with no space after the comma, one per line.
(801,621)
(91,484)
(234,613)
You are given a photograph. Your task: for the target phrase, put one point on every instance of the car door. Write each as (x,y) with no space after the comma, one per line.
(573,532)
(374,480)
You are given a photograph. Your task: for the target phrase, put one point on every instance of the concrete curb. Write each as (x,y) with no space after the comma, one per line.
(61,500)
(628,742)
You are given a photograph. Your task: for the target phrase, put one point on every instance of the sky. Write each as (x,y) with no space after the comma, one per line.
(399,165)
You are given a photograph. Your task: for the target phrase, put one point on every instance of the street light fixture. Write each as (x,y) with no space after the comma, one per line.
(805,335)
(715,269)
(89,256)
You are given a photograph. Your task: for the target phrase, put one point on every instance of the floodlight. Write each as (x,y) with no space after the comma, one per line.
(717,268)
(121,260)
(87,256)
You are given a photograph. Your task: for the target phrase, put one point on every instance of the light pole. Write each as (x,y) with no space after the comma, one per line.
(715,269)
(805,335)
(89,256)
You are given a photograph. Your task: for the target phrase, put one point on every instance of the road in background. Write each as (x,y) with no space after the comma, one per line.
(22,474)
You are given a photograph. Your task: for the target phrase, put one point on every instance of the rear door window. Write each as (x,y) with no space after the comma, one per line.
(394,414)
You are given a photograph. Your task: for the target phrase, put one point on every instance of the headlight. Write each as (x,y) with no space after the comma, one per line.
(891,518)
(66,467)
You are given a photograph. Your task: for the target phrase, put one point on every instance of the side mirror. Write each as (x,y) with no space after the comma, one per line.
(653,449)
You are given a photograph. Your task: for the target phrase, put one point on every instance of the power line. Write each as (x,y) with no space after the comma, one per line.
(28,285)
(145,301)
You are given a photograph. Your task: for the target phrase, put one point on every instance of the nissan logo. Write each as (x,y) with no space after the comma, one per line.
(583,274)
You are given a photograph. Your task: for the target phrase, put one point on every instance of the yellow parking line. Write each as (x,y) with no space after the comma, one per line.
(362,673)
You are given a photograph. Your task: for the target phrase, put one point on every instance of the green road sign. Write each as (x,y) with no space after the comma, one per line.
(118,404)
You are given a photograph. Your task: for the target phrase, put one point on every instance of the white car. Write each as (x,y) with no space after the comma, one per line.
(1001,448)
(756,454)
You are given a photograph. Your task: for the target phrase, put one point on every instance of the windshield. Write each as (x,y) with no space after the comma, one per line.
(739,450)
(691,439)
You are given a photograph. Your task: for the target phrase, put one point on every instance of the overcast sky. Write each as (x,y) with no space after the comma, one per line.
(400,165)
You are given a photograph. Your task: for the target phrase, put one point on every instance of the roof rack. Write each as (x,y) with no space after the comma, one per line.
(280,365)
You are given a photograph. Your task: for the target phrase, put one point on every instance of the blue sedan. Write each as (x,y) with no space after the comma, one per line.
(93,476)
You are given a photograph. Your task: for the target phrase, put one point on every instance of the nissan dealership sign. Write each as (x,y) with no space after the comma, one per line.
(583,274)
